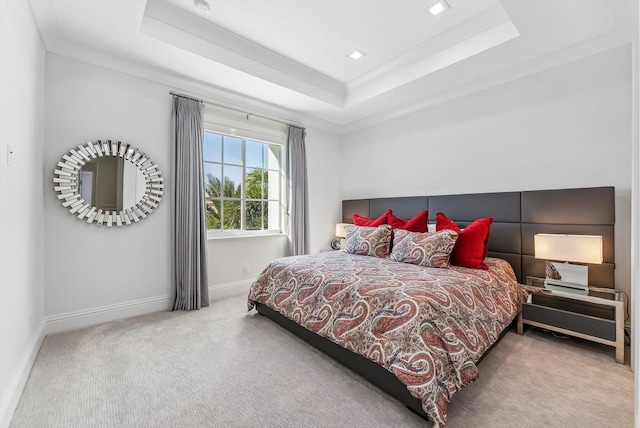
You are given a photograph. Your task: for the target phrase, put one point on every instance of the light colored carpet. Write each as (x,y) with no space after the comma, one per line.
(224,367)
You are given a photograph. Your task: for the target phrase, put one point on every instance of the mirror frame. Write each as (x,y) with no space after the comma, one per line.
(65,181)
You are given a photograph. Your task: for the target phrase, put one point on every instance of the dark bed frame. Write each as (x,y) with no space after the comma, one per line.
(518,216)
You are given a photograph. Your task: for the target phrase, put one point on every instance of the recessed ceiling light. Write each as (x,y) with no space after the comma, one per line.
(203,7)
(438,7)
(356,54)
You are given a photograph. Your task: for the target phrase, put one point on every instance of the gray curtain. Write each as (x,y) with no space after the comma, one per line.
(189,287)
(298,200)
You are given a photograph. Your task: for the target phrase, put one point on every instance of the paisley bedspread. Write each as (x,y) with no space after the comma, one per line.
(428,326)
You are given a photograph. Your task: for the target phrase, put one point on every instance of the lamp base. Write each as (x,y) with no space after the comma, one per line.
(567,287)
(567,272)
(336,243)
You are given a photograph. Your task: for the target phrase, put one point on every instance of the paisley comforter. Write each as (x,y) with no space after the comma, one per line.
(428,326)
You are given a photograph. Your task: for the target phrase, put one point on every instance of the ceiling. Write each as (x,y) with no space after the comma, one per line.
(289,59)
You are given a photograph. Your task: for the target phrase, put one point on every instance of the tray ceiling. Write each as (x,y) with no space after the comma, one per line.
(290,58)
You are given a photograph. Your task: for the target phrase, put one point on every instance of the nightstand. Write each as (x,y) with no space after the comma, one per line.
(587,317)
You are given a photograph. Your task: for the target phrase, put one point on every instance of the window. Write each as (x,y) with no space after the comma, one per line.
(243,183)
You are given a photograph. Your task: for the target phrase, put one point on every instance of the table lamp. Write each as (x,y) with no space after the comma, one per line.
(337,242)
(556,248)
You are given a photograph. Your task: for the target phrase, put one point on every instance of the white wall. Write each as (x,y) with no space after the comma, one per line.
(93,272)
(563,128)
(635,207)
(22,74)
(325,202)
(89,266)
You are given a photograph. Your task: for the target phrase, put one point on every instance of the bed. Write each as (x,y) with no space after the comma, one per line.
(427,326)
(419,332)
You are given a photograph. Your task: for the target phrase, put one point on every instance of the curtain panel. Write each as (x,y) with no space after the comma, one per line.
(298,199)
(189,285)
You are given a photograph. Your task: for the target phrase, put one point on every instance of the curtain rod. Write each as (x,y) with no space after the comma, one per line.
(186,96)
(177,94)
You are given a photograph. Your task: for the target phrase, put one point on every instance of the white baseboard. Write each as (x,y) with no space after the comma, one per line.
(12,394)
(88,317)
(222,291)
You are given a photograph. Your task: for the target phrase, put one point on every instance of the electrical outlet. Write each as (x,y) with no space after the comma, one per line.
(246,270)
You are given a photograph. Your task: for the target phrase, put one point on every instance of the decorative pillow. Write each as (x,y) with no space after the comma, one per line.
(417,224)
(431,227)
(368,241)
(424,249)
(472,245)
(364,221)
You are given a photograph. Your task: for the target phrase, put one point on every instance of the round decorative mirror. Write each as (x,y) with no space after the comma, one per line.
(109,183)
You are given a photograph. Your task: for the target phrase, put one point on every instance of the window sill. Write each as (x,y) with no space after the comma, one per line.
(216,236)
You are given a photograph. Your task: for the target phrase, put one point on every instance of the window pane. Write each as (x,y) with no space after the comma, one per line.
(213,179)
(272,156)
(253,215)
(254,154)
(254,183)
(272,215)
(213,213)
(232,150)
(232,214)
(212,149)
(272,185)
(232,182)
(234,169)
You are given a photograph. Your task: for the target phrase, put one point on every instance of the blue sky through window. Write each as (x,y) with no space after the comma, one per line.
(233,150)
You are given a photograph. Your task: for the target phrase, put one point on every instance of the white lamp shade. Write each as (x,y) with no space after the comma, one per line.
(568,248)
(340,232)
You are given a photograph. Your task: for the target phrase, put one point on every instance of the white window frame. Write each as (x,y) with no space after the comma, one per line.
(273,138)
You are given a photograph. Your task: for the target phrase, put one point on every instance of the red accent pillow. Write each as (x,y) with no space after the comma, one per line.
(417,224)
(369,222)
(472,245)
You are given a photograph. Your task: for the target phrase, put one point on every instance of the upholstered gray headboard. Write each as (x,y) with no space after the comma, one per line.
(518,216)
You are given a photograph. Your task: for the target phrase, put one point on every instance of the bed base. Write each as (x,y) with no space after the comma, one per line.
(371,371)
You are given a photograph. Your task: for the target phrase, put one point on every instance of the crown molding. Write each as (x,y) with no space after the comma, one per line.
(609,41)
(173,25)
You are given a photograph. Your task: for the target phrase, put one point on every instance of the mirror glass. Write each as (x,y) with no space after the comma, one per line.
(108,182)
(111,183)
